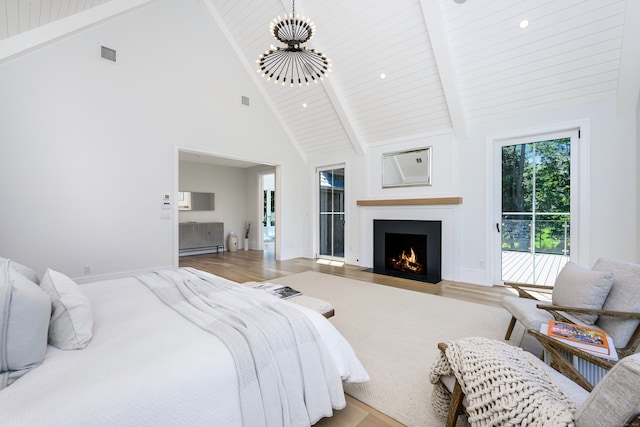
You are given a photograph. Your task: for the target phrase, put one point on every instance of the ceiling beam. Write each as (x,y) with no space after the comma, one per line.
(434,19)
(629,77)
(344,116)
(213,12)
(337,101)
(49,33)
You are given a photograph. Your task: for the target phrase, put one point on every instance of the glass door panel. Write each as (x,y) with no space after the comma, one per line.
(331,229)
(535,218)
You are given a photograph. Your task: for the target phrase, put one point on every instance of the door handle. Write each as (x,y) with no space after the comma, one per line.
(498,227)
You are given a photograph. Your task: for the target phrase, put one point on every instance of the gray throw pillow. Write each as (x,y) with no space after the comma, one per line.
(624,296)
(25,310)
(27,272)
(615,400)
(71,326)
(581,287)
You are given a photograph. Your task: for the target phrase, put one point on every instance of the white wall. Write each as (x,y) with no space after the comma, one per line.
(612,184)
(88,147)
(638,181)
(459,169)
(363,180)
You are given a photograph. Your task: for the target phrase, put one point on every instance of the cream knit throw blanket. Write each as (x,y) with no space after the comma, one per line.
(503,387)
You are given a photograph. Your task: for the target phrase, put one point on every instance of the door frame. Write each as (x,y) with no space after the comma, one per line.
(261,176)
(174,214)
(580,202)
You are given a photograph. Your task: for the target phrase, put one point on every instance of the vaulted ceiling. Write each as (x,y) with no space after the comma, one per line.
(447,63)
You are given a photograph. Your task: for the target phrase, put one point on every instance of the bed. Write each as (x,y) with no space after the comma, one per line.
(147,362)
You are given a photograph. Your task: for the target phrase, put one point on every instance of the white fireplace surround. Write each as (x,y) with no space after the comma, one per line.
(449,215)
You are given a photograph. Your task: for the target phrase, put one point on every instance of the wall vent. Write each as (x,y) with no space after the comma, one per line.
(245,100)
(108,54)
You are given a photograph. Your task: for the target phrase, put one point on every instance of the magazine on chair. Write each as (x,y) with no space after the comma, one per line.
(592,340)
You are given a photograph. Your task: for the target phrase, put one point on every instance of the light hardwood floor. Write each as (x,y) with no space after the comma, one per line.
(259,266)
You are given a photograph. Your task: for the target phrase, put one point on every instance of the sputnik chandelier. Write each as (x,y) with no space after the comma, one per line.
(293,63)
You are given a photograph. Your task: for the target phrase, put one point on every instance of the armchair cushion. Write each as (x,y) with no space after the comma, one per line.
(525,310)
(616,399)
(624,296)
(577,286)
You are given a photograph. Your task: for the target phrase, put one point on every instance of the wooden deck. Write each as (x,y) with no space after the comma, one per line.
(520,266)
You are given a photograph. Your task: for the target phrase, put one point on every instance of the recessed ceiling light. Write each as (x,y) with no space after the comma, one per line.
(383,76)
(304,105)
(524,24)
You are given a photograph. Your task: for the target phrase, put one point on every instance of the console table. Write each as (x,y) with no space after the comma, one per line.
(200,237)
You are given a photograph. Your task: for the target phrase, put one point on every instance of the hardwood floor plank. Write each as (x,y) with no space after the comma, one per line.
(374,417)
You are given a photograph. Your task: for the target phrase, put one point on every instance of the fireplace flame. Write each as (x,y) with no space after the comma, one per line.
(407,262)
(408,259)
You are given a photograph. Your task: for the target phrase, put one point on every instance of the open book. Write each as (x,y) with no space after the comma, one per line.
(280,291)
(591,340)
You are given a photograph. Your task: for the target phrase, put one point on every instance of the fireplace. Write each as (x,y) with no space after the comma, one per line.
(408,248)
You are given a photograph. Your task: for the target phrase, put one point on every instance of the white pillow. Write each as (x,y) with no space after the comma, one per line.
(581,287)
(71,326)
(24,320)
(27,272)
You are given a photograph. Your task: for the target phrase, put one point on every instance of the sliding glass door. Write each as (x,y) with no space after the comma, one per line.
(331,210)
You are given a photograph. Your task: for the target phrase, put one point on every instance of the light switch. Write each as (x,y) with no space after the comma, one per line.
(166,201)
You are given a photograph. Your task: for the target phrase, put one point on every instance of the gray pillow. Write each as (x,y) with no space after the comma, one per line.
(24,323)
(27,272)
(624,296)
(615,400)
(71,326)
(582,287)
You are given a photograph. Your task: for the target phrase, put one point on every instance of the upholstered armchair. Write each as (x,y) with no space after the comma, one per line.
(493,383)
(606,296)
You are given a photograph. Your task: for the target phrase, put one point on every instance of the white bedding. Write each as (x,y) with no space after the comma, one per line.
(145,366)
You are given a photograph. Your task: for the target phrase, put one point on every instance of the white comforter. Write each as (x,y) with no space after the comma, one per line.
(146,366)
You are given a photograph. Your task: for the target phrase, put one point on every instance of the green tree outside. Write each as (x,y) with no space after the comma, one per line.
(536,175)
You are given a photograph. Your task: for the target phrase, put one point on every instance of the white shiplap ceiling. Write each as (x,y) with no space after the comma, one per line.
(447,64)
(18,16)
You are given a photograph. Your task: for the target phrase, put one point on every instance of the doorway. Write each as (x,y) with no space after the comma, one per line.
(538,201)
(268,194)
(331,213)
(238,201)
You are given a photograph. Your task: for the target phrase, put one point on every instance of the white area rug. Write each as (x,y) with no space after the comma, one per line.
(395,333)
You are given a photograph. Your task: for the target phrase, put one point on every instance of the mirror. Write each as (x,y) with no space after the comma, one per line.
(192,201)
(406,168)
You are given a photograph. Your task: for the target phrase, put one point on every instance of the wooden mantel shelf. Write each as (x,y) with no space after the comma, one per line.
(401,202)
